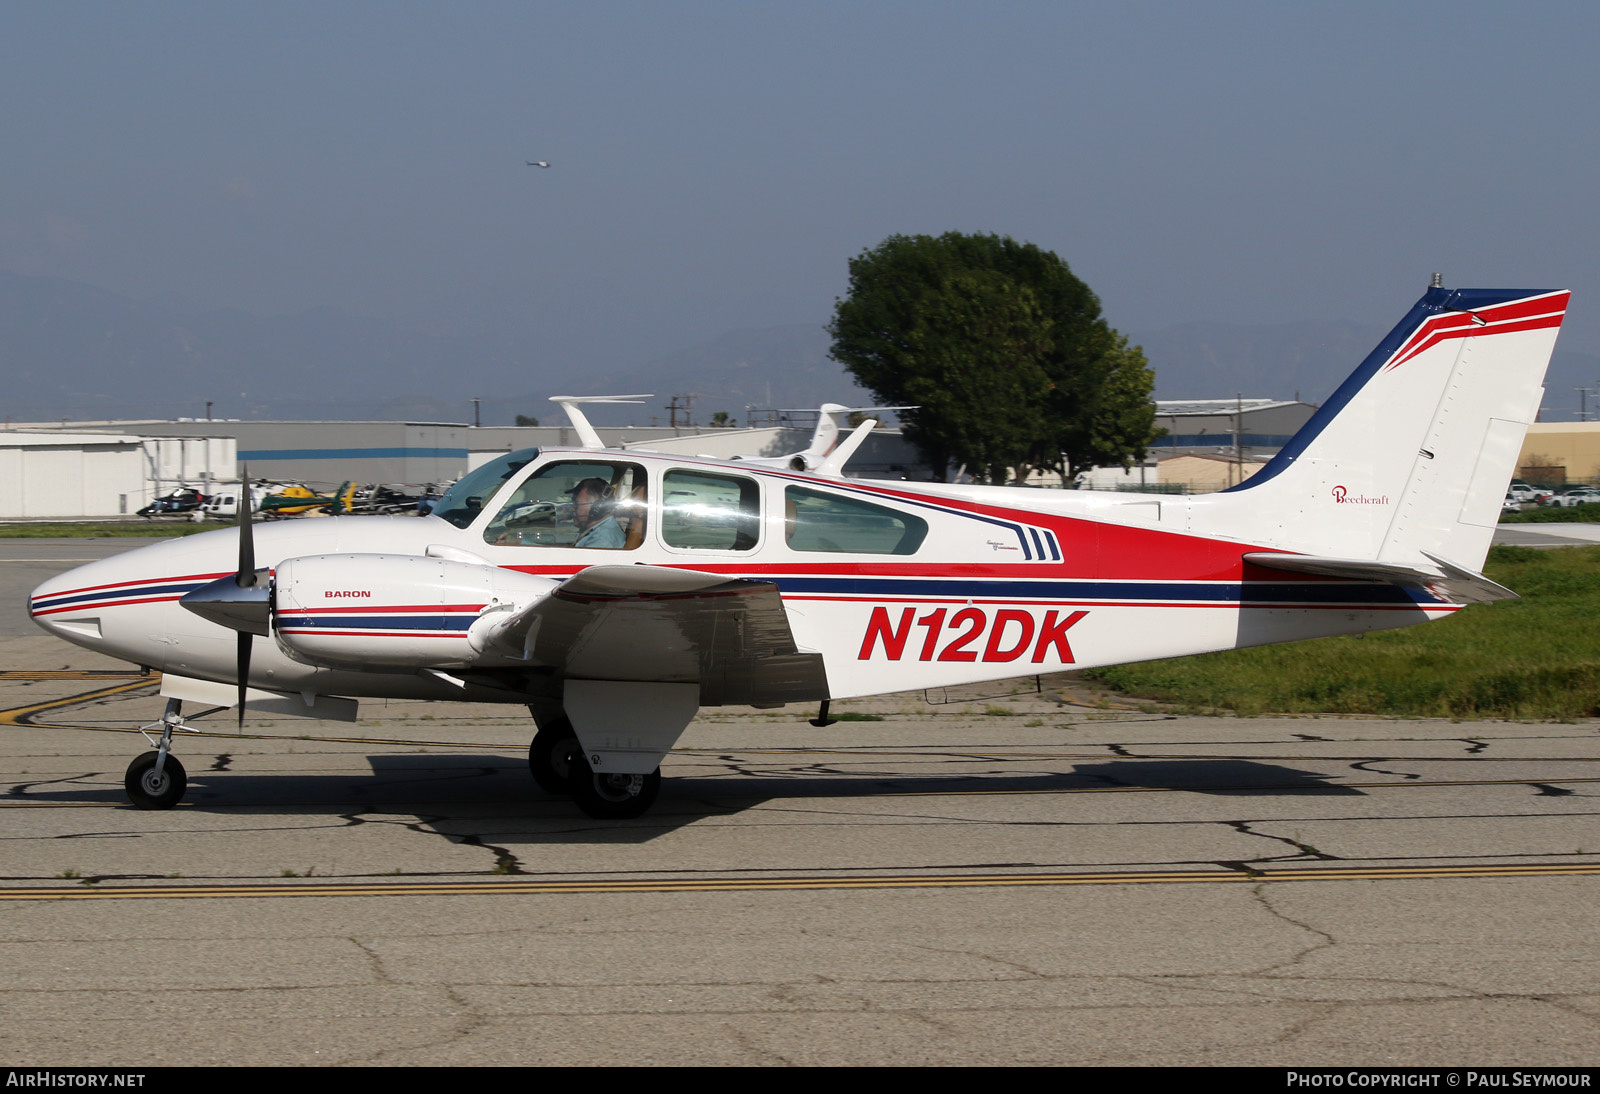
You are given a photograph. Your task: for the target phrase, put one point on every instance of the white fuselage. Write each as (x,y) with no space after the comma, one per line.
(1002,582)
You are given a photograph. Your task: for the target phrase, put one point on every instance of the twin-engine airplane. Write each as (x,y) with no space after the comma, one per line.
(616,593)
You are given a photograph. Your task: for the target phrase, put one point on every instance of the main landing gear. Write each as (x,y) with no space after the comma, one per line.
(612,797)
(551,754)
(559,767)
(157,780)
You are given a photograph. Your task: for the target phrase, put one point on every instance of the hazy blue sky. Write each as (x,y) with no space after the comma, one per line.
(716,164)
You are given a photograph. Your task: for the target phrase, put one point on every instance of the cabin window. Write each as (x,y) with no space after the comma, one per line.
(710,512)
(593,504)
(815,521)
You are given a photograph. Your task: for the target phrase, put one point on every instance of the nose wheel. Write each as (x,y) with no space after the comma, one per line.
(157,780)
(153,784)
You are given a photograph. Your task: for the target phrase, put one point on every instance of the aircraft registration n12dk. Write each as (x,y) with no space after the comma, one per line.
(616,592)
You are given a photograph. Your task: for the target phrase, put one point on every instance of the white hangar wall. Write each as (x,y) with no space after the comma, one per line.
(77,475)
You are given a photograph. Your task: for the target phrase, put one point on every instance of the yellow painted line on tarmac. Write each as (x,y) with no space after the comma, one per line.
(17,716)
(547,887)
(75,674)
(22,716)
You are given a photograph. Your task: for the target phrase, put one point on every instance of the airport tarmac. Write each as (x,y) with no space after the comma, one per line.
(1045,877)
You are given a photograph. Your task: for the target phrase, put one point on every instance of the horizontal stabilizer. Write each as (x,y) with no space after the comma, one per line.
(1460,585)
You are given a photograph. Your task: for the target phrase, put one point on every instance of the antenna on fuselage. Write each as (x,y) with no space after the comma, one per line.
(586,433)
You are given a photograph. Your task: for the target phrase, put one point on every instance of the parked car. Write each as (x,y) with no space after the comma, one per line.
(1578,495)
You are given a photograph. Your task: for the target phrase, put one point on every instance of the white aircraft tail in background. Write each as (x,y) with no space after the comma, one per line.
(826,454)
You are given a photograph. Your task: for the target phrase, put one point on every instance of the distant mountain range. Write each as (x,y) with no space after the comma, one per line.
(71,350)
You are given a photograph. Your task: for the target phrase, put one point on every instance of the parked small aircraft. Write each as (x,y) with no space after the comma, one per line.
(615,593)
(826,454)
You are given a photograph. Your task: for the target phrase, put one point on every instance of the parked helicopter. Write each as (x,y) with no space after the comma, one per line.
(615,593)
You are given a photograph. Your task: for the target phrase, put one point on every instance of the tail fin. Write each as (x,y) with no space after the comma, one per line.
(344,500)
(1412,455)
(824,437)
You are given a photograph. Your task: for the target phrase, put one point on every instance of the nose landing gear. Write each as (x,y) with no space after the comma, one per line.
(156,780)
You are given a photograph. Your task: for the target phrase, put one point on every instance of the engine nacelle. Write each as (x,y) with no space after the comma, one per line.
(395,612)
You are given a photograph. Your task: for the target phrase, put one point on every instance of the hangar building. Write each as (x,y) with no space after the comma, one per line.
(74,475)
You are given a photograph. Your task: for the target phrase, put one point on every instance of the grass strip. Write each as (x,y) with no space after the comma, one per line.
(103,529)
(1587,513)
(1533,659)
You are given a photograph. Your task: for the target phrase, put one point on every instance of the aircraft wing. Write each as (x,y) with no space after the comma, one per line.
(657,623)
(1458,583)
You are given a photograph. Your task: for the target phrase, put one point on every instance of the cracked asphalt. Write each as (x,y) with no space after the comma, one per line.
(1034,878)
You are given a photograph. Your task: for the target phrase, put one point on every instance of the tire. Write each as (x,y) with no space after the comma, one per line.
(612,797)
(550,757)
(146,790)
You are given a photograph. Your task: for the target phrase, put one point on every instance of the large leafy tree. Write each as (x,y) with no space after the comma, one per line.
(1003,351)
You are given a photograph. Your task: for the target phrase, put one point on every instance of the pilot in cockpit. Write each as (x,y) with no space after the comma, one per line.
(593,512)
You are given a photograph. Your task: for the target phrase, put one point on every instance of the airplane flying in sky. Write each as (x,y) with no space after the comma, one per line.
(616,593)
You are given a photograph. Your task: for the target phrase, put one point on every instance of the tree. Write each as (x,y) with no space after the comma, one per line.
(1003,351)
(523,419)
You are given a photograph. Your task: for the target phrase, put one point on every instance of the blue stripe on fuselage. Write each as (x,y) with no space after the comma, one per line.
(1227,592)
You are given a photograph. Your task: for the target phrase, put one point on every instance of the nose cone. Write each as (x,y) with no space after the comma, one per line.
(125,594)
(64,606)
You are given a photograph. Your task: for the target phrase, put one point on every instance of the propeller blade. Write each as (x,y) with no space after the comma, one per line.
(241,601)
(245,579)
(243,666)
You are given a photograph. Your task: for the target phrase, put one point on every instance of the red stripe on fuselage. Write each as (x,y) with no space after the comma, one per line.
(141,581)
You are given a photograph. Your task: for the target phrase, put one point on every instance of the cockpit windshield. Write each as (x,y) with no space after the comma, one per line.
(466,499)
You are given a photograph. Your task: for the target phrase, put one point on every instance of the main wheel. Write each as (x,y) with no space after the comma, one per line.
(147,790)
(612,797)
(550,757)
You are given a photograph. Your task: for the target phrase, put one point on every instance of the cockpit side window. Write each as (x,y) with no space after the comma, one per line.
(831,523)
(707,511)
(593,504)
